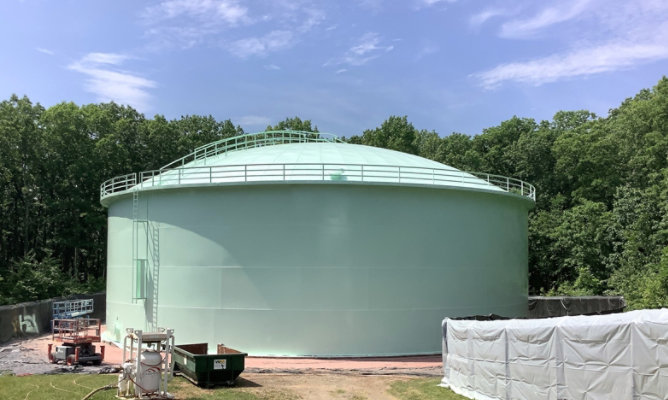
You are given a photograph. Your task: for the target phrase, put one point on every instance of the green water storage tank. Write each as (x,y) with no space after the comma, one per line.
(289,243)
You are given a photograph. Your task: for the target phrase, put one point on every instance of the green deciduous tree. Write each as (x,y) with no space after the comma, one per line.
(295,124)
(396,133)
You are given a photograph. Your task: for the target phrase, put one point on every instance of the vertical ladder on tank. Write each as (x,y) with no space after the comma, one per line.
(139,257)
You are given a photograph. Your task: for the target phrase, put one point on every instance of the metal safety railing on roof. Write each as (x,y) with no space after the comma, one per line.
(250,141)
(309,172)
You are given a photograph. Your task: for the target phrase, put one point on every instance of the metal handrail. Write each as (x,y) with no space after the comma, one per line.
(252,140)
(118,184)
(295,172)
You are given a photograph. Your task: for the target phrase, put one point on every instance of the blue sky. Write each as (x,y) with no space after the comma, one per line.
(449,65)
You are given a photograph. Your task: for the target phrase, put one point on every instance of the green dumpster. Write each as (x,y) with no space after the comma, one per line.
(208,370)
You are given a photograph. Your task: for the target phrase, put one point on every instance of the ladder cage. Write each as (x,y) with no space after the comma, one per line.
(139,250)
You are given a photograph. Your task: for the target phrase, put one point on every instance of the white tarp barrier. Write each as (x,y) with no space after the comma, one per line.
(615,356)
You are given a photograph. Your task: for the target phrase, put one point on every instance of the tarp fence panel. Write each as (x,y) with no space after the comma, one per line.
(621,356)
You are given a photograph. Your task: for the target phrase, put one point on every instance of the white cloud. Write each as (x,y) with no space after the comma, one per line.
(313,18)
(45,51)
(368,47)
(210,11)
(187,23)
(254,120)
(430,3)
(300,19)
(373,5)
(257,46)
(272,67)
(423,4)
(183,37)
(426,50)
(561,12)
(110,83)
(587,61)
(483,16)
(104,58)
(601,37)
(276,25)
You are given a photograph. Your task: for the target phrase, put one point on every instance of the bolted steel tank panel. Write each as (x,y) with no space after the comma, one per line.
(314,267)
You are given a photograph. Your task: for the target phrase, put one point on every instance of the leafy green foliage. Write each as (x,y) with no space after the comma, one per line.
(295,124)
(30,280)
(396,134)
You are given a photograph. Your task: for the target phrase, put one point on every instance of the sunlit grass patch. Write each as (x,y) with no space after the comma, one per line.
(422,389)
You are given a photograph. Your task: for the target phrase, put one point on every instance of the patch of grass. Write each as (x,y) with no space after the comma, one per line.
(183,389)
(423,389)
(48,387)
(342,394)
(76,386)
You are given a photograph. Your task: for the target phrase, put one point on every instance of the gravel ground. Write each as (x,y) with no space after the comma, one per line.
(28,357)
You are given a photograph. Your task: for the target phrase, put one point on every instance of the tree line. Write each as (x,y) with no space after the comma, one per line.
(600,225)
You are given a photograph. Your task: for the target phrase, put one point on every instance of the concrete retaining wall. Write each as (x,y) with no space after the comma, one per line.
(34,318)
(561,306)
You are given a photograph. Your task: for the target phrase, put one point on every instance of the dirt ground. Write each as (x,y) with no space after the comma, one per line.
(323,386)
(310,378)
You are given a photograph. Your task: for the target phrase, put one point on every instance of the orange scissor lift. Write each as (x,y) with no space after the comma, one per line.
(76,337)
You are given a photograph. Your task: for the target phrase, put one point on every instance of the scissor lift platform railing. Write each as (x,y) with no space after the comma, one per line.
(76,330)
(72,308)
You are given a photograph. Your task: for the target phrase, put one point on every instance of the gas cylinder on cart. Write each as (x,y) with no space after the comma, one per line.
(149,371)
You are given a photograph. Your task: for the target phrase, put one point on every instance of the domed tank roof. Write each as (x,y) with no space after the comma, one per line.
(307,157)
(318,153)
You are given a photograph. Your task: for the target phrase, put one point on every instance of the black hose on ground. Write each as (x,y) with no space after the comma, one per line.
(106,387)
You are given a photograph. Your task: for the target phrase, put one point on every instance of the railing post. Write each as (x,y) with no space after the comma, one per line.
(522,188)
(362,168)
(322,166)
(507,184)
(283,172)
(245,173)
(433,180)
(210,175)
(399,174)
